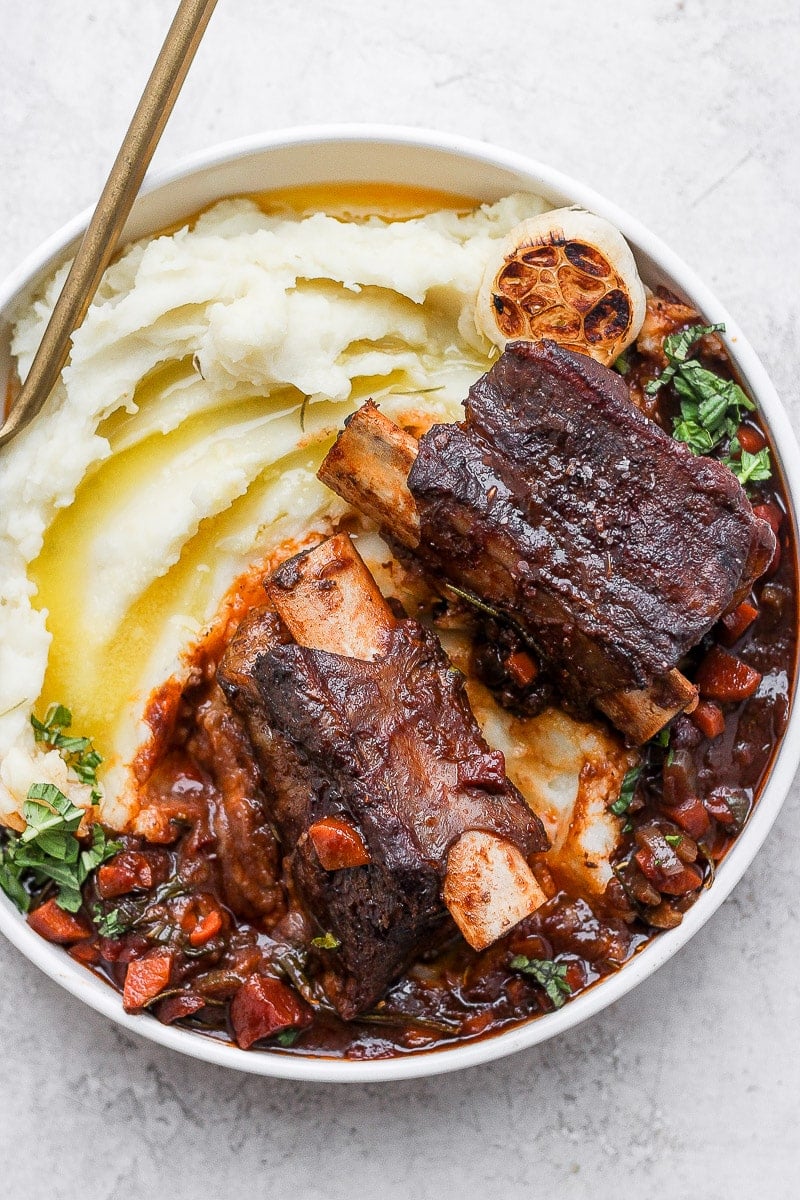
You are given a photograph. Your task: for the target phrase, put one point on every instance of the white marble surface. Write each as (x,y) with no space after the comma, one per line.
(685,112)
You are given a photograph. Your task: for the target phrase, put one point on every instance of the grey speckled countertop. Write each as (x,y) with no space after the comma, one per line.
(685,112)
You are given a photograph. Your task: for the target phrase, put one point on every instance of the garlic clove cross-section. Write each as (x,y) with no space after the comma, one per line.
(566,275)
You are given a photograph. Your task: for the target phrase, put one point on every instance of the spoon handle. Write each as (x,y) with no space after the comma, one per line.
(122,186)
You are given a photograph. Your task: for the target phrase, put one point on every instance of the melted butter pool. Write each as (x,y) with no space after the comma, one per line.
(105,673)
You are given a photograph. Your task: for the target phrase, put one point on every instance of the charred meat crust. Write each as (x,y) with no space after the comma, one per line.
(614,546)
(385,454)
(392,747)
(363,451)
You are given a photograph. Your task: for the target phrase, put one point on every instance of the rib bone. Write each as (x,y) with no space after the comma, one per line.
(368,467)
(329,601)
(488,887)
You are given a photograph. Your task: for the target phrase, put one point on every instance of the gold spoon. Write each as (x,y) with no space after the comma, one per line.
(122,186)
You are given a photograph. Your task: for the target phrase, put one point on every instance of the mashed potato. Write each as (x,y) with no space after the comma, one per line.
(181,445)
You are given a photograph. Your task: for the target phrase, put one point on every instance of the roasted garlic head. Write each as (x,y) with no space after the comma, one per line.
(566,275)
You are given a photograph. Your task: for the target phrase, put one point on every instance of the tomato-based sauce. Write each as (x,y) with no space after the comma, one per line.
(196,919)
(204,902)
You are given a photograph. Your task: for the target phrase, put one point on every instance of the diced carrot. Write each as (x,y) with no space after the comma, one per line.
(734,624)
(124,949)
(771,514)
(55,925)
(476,1023)
(751,439)
(119,876)
(688,879)
(691,815)
(206,928)
(709,718)
(721,676)
(263,1007)
(575,976)
(129,871)
(338,844)
(87,953)
(145,979)
(521,667)
(723,808)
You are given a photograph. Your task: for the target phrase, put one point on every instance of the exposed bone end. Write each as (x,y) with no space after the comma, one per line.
(642,712)
(368,466)
(328,600)
(488,887)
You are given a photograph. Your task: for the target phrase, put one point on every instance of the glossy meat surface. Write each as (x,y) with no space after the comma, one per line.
(391,747)
(561,504)
(247,853)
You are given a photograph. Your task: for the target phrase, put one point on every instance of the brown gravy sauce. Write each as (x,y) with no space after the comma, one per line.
(210,844)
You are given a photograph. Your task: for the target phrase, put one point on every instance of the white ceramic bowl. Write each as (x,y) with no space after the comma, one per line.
(454,164)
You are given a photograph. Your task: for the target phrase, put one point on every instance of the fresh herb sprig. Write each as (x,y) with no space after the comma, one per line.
(626,792)
(328,941)
(678,348)
(48,851)
(78,752)
(623,364)
(111,924)
(711,407)
(550,975)
(748,467)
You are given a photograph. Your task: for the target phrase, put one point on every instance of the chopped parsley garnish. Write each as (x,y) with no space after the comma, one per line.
(552,976)
(48,850)
(111,924)
(326,942)
(673,839)
(626,792)
(11,880)
(747,467)
(711,407)
(677,348)
(287,1037)
(77,752)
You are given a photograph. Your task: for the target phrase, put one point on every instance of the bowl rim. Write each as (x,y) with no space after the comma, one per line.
(81,983)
